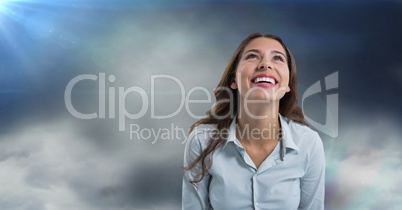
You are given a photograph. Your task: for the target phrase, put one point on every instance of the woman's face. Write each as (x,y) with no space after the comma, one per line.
(262,72)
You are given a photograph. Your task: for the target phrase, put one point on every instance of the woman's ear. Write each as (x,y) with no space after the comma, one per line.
(287,89)
(233,85)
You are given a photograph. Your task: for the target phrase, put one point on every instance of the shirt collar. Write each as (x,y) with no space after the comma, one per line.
(232,133)
(286,132)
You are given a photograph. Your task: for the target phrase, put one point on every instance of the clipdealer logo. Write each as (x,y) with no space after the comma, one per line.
(330,127)
(122,93)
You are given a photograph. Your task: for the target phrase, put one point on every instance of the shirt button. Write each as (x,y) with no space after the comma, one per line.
(256,203)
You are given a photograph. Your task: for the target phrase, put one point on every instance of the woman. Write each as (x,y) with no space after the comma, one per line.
(254,150)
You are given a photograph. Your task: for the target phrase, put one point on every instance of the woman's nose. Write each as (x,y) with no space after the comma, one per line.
(265,64)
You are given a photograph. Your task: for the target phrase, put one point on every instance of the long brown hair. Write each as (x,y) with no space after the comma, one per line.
(222,114)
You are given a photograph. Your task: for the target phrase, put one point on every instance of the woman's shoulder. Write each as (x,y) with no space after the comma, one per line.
(303,135)
(201,134)
(300,128)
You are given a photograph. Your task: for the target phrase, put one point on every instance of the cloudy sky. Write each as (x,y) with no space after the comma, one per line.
(167,52)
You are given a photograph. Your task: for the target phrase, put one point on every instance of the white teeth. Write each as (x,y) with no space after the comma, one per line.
(265,79)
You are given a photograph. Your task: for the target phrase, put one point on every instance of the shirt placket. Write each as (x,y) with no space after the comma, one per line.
(255,190)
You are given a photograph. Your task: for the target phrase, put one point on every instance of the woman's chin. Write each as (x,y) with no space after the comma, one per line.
(261,98)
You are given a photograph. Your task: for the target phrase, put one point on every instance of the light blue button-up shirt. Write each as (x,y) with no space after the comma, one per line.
(233,181)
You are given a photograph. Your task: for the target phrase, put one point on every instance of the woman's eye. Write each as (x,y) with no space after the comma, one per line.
(251,56)
(278,58)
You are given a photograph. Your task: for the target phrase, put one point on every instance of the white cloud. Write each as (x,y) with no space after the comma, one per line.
(363,170)
(53,166)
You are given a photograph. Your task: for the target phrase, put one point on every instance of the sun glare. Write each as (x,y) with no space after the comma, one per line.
(2,5)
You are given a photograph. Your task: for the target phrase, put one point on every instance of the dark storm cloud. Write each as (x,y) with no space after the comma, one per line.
(51,160)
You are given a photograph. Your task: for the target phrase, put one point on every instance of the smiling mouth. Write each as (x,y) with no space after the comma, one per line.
(266,80)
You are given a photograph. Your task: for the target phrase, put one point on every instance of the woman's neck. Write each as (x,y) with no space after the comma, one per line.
(258,122)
